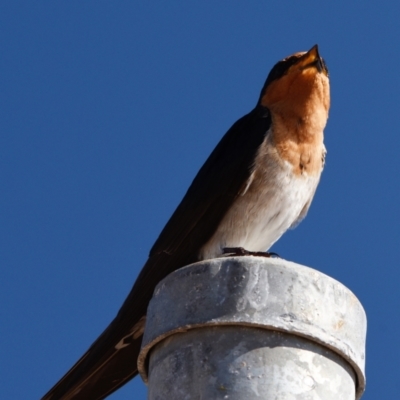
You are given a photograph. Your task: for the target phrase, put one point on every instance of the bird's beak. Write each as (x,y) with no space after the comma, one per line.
(312,59)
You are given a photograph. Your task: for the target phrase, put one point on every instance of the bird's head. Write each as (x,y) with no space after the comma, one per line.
(298,86)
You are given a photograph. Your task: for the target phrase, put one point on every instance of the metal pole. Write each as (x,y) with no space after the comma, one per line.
(244,328)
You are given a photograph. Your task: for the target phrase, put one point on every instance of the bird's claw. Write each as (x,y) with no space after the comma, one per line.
(240,251)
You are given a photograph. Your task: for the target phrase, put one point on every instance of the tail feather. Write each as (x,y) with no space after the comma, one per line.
(103,368)
(111,361)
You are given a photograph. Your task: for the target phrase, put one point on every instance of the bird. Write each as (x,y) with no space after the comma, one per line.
(257,183)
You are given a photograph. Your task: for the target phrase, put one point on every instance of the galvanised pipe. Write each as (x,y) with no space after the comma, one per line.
(253,328)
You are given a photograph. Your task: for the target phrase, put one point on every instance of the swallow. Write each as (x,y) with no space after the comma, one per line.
(257,183)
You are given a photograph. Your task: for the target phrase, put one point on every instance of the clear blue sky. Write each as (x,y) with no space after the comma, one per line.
(108,109)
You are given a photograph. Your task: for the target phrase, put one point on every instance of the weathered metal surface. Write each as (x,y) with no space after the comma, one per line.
(241,363)
(321,325)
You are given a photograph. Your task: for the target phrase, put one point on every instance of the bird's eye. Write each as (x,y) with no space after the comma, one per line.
(278,70)
(281,68)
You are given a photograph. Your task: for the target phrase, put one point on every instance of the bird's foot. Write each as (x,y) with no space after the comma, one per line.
(240,251)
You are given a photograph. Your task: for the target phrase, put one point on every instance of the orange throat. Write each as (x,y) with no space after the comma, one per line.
(299,105)
(300,143)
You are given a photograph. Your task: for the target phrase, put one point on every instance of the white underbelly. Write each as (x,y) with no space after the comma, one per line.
(259,218)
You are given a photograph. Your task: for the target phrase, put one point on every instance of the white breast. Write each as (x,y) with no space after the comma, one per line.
(270,204)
